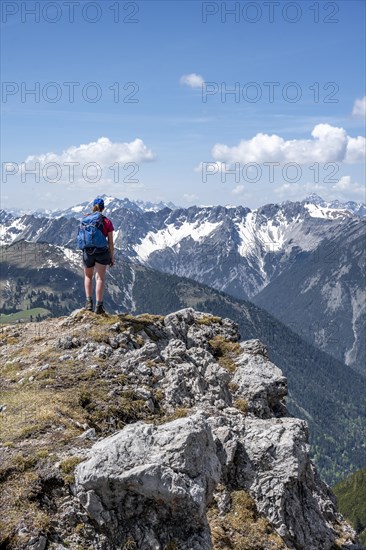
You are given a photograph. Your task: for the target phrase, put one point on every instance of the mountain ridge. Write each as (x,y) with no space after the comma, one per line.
(356,208)
(240,252)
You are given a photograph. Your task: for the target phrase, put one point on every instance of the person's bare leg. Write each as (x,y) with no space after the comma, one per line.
(99,276)
(88,280)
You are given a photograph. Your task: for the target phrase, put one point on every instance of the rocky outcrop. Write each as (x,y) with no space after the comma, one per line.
(154,433)
(260,381)
(269,458)
(153,484)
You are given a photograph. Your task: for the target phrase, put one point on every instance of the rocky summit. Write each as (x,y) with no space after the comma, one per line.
(154,433)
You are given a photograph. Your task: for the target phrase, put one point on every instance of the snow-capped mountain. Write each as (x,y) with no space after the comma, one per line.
(233,249)
(356,208)
(41,212)
(148,206)
(112,204)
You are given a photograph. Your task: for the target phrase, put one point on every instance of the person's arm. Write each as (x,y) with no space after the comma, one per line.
(111,247)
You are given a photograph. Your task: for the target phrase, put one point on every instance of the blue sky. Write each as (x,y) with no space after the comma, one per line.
(182,136)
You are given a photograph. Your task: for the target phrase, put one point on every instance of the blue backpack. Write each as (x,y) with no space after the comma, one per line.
(90,234)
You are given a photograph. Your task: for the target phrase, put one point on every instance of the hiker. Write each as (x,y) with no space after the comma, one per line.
(95,238)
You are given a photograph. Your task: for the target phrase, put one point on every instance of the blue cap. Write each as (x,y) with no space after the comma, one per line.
(99,202)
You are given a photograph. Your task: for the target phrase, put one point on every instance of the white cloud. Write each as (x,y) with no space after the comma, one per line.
(190,197)
(356,150)
(299,190)
(193,80)
(346,186)
(359,107)
(238,190)
(328,144)
(103,153)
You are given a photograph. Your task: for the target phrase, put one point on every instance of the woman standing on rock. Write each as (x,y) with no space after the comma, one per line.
(95,238)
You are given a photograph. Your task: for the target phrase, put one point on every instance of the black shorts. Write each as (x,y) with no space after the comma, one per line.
(91,256)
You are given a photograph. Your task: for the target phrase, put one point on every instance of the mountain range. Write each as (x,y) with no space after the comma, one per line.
(304,262)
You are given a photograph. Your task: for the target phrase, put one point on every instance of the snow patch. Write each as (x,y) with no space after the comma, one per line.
(72,256)
(268,237)
(333,295)
(8,233)
(317,211)
(313,281)
(171,235)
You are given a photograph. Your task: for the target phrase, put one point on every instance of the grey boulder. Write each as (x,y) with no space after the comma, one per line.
(152,484)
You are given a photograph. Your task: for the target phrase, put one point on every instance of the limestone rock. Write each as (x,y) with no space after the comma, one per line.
(284,482)
(153,484)
(261,383)
(255,347)
(199,379)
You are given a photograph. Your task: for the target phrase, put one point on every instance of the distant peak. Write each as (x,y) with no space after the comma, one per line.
(314,197)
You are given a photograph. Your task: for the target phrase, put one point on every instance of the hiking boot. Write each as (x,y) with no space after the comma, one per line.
(99,310)
(89,305)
